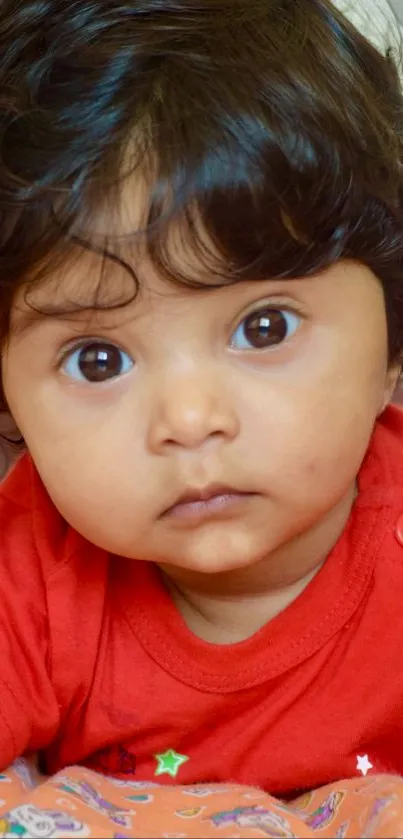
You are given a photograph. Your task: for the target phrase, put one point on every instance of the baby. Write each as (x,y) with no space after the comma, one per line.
(201,306)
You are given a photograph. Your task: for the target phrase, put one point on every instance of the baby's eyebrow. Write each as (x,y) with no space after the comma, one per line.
(27,320)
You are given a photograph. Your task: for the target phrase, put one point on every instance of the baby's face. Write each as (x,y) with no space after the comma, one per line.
(264,392)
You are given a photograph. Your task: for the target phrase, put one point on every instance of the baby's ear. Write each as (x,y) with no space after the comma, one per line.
(391,389)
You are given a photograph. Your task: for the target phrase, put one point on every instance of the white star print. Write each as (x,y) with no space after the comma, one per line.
(363,764)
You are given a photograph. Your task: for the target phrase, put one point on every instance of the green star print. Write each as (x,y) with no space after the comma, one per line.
(169,763)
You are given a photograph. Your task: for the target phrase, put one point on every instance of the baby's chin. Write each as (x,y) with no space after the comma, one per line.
(218,556)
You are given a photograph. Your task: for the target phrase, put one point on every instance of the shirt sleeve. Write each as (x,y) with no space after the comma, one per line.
(29,712)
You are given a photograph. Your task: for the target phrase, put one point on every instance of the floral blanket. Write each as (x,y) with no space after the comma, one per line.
(78,803)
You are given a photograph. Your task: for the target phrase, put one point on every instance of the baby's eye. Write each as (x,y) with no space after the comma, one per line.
(96,362)
(264,328)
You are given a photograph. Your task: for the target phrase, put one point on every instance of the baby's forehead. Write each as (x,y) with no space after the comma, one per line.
(88,289)
(105,272)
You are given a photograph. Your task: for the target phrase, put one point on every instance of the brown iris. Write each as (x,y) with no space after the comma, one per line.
(265,328)
(99,362)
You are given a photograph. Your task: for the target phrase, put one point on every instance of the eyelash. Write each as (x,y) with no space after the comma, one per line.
(71,350)
(277,305)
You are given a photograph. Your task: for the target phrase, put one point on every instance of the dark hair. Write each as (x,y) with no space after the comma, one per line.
(271,131)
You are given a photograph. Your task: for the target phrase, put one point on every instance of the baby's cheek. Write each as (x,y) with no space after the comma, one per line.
(329,469)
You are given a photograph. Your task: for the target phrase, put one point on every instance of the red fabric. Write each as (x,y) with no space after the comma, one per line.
(97,667)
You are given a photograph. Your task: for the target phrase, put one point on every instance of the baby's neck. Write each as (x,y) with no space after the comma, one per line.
(230,607)
(230,619)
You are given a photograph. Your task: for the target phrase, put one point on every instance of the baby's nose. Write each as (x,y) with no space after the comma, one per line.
(190,410)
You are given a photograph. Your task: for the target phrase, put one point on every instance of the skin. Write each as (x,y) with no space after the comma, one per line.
(290,423)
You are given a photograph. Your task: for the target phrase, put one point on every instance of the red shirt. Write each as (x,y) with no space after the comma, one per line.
(98,667)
